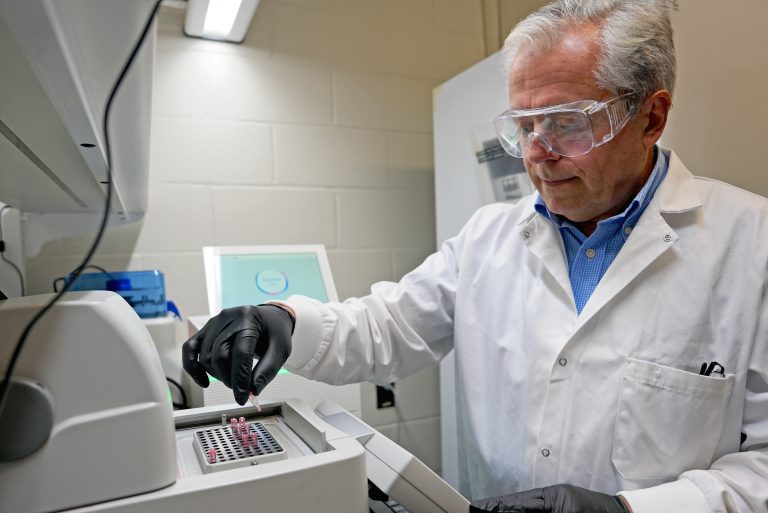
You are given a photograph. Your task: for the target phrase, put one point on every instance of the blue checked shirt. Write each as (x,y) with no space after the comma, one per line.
(589,257)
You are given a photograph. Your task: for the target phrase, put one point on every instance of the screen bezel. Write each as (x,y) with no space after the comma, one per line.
(212,260)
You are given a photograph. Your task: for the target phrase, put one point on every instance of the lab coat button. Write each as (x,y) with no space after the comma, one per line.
(563,362)
(590,253)
(545,452)
(667,238)
(526,234)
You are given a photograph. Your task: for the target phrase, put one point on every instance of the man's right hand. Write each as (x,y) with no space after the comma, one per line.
(228,343)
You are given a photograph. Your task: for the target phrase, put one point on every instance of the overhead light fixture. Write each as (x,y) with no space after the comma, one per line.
(220,20)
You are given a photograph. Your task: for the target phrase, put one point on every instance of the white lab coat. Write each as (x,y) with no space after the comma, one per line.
(610,399)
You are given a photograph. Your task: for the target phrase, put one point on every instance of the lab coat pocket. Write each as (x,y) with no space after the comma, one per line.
(669,420)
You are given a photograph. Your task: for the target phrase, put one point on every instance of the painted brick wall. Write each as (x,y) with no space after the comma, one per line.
(317,129)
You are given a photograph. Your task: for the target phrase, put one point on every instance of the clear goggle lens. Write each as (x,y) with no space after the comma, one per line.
(569,130)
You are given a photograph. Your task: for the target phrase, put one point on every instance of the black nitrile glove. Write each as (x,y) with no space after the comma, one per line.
(227,344)
(561,498)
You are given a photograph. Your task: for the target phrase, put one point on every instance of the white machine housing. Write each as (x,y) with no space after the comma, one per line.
(112,432)
(324,471)
(394,470)
(115,446)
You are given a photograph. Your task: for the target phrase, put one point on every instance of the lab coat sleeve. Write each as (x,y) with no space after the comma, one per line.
(736,482)
(396,330)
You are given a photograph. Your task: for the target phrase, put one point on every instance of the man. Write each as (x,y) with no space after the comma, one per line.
(581,315)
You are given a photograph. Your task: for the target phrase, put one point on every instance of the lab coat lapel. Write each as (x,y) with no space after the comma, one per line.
(650,238)
(544,241)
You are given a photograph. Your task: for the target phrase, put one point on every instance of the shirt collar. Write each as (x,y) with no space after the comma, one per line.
(641,199)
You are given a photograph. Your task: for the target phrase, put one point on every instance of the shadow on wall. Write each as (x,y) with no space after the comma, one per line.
(60,256)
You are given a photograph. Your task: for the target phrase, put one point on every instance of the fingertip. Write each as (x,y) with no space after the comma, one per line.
(240,398)
(259,382)
(196,371)
(241,389)
(241,393)
(203,381)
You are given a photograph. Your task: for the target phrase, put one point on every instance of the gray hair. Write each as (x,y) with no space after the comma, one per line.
(635,38)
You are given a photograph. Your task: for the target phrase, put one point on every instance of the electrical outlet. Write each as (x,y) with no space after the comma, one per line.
(385,398)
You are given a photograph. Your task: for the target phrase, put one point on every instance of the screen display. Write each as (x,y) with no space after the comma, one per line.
(254,279)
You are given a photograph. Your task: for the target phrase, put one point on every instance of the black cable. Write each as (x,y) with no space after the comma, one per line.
(5,386)
(82,268)
(79,269)
(184,404)
(2,252)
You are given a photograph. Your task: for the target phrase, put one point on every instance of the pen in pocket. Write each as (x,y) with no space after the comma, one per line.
(713,368)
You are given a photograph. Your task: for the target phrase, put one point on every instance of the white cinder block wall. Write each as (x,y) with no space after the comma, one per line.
(317,129)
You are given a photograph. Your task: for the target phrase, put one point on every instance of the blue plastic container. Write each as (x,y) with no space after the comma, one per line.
(143,290)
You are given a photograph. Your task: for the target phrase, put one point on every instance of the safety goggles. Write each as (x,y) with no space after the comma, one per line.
(569,129)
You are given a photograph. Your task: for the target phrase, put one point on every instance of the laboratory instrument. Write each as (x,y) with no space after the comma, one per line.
(88,428)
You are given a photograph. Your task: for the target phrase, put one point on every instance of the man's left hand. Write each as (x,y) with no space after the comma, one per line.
(562,498)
